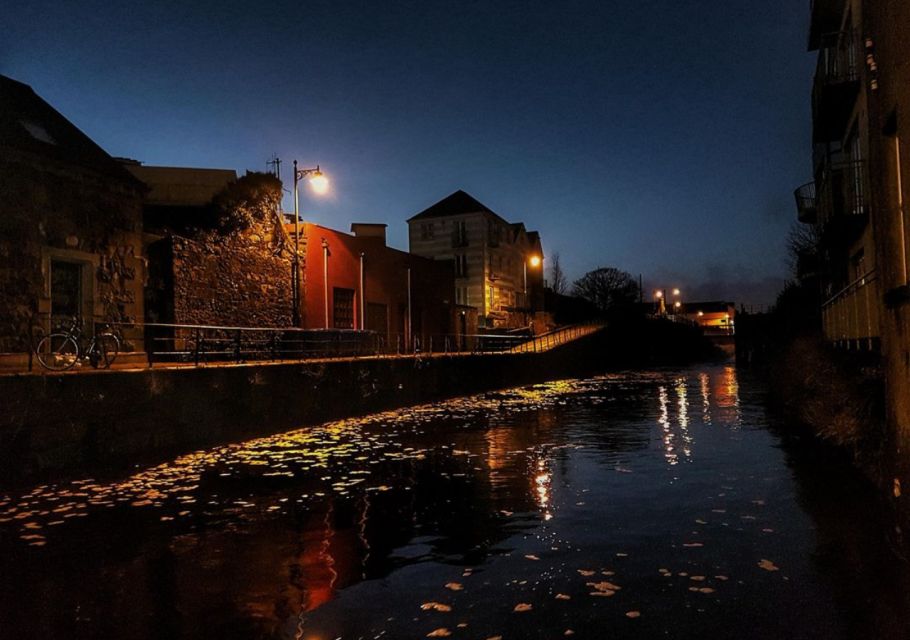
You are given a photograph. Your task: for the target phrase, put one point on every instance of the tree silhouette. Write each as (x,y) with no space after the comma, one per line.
(606,288)
(558,282)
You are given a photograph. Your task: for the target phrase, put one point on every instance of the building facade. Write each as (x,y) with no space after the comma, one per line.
(839,201)
(356,282)
(70,225)
(861,120)
(498,265)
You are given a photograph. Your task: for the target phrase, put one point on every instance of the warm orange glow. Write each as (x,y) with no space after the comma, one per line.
(675,292)
(319,183)
(677,304)
(658,294)
(701,313)
(535,261)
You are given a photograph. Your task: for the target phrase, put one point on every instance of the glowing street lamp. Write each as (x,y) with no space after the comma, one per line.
(320,185)
(662,302)
(534,261)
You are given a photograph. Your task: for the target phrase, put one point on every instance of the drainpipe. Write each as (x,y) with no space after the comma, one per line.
(407,335)
(362,325)
(325,279)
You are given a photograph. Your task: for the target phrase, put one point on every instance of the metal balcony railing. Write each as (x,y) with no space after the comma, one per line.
(850,318)
(836,84)
(806,209)
(842,200)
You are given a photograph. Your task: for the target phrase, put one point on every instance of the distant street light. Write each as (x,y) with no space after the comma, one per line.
(662,303)
(320,185)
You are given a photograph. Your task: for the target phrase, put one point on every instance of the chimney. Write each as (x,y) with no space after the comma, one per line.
(369,230)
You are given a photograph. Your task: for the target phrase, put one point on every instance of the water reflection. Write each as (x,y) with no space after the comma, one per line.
(572,488)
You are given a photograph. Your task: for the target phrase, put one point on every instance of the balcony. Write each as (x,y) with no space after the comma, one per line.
(837,80)
(851,317)
(825,17)
(806,210)
(842,202)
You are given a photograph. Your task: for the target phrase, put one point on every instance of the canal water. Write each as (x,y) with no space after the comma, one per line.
(663,504)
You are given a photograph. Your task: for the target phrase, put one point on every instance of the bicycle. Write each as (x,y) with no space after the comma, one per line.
(62,350)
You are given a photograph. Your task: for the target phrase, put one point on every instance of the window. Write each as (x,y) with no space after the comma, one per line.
(461,266)
(427,231)
(37,131)
(343,305)
(460,234)
(66,290)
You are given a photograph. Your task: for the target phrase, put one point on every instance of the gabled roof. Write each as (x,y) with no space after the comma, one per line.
(30,125)
(453,205)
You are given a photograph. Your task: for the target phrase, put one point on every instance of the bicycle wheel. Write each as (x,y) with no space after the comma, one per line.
(104,350)
(57,352)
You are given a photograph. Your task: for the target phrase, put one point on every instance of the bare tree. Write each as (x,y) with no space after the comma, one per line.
(606,288)
(558,282)
(802,245)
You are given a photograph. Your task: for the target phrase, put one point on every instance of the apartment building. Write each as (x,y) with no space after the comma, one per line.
(861,120)
(839,200)
(498,264)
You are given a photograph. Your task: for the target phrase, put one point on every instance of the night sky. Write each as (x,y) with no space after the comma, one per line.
(663,137)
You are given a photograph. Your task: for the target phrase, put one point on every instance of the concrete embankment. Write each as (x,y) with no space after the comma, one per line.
(107,421)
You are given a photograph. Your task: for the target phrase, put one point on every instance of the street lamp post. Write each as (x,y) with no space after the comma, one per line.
(535,262)
(662,301)
(319,183)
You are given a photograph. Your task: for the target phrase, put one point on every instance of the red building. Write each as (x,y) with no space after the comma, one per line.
(357,282)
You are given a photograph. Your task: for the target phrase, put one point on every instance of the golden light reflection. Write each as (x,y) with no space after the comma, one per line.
(542,480)
(704,384)
(683,408)
(726,397)
(664,422)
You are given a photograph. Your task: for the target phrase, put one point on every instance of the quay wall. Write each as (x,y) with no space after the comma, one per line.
(53,425)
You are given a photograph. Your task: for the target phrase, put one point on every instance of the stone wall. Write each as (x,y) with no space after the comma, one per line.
(239,280)
(104,421)
(236,272)
(50,212)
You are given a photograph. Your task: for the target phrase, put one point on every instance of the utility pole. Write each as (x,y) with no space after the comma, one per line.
(274,166)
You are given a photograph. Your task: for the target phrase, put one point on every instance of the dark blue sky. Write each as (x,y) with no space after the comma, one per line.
(663,137)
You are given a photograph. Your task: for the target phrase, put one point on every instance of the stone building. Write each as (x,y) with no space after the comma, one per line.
(498,265)
(230,263)
(70,224)
(356,282)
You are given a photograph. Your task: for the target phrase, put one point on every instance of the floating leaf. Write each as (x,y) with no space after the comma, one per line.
(532,557)
(633,614)
(767,565)
(522,607)
(563,596)
(435,606)
(441,632)
(604,586)
(693,544)
(587,573)
(454,586)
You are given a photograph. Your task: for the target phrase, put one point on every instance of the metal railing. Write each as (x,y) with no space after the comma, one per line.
(553,339)
(850,318)
(806,203)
